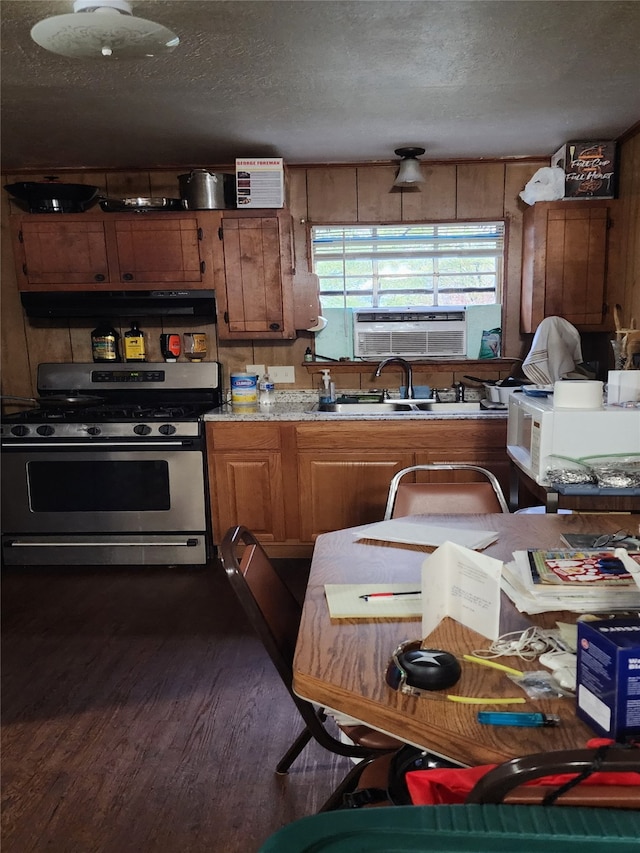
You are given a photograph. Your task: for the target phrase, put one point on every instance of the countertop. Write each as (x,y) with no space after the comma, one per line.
(292,406)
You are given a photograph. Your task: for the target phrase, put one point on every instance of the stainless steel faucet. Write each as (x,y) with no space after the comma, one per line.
(409,395)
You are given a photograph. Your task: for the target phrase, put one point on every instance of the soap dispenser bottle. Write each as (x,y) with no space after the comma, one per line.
(328,390)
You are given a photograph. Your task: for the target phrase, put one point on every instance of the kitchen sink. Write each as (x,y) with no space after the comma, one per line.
(396,407)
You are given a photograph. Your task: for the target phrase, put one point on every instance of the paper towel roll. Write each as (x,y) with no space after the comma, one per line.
(578,394)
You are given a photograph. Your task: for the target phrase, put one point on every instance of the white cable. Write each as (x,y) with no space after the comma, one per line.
(526,645)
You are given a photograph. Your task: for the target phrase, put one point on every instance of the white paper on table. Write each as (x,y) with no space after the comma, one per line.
(464,585)
(426,534)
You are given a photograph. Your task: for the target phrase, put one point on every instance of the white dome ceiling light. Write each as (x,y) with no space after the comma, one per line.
(98,28)
(409,173)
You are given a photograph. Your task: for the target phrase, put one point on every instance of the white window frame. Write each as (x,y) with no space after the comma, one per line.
(425,240)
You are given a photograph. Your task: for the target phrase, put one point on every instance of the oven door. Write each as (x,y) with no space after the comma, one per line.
(101,504)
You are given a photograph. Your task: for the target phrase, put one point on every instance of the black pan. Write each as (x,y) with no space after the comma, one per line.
(59,401)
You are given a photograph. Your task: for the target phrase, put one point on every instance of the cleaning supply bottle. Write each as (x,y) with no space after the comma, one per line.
(104,343)
(266,390)
(134,346)
(328,390)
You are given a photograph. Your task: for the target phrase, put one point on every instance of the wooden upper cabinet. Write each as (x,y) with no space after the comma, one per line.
(115,251)
(256,301)
(565,263)
(56,250)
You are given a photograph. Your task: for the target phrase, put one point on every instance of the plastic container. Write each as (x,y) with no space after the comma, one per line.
(244,389)
(266,391)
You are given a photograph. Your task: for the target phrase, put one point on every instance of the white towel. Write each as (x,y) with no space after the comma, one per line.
(555,351)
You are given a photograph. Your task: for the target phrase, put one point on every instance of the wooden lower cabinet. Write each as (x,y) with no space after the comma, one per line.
(246,484)
(344,489)
(291,481)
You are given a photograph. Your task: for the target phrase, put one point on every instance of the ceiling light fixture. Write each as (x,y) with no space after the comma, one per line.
(98,28)
(409,173)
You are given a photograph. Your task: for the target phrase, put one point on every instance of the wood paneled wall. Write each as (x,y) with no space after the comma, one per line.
(316,195)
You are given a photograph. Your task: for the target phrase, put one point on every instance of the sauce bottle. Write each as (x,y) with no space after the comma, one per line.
(134,346)
(104,343)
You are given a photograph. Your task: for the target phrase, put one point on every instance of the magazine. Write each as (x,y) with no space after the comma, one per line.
(580,567)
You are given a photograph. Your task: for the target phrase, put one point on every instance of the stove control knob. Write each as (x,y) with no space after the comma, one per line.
(167,429)
(45,429)
(142,429)
(21,429)
(94,430)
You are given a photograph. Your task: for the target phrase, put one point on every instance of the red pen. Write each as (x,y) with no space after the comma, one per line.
(388,594)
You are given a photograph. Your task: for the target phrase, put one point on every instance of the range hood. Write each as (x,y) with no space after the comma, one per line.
(114,303)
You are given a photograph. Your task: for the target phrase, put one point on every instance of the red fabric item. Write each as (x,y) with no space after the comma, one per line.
(451,786)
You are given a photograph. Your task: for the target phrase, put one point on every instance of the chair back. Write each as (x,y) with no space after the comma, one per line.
(272,608)
(274,613)
(506,782)
(482,495)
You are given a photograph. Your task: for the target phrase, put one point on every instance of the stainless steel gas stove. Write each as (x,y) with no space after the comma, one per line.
(109,466)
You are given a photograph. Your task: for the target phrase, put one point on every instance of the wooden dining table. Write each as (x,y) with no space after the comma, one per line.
(341,663)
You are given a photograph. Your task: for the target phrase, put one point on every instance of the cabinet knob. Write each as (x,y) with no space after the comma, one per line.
(274,326)
(99,277)
(127,277)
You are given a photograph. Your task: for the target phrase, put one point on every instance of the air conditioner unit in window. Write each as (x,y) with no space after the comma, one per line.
(409,332)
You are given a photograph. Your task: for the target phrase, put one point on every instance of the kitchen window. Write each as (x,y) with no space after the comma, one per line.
(377,266)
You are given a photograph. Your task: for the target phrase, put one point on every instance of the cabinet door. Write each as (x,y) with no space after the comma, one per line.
(67,252)
(344,489)
(257,302)
(246,488)
(159,250)
(565,263)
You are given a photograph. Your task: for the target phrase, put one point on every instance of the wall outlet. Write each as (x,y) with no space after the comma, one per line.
(281,374)
(258,369)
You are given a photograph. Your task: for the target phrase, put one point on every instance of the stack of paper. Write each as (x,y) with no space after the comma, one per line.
(579,581)
(426,534)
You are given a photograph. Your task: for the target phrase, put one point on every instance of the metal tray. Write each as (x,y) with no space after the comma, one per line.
(140,205)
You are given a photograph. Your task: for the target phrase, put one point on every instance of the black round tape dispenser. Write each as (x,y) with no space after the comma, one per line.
(429,669)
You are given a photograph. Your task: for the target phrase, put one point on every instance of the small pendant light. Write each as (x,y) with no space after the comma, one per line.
(409,173)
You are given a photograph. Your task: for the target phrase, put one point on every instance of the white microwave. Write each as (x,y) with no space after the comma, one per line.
(536,432)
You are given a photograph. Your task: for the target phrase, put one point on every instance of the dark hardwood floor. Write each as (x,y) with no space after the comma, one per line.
(141,714)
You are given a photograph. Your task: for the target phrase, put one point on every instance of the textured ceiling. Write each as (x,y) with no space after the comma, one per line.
(322,82)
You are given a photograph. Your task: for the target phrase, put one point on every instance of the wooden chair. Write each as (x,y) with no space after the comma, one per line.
(505,783)
(274,613)
(410,498)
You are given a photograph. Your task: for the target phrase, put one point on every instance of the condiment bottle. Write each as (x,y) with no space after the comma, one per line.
(104,343)
(134,346)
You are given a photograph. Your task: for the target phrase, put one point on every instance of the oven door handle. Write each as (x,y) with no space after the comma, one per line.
(93,445)
(190,542)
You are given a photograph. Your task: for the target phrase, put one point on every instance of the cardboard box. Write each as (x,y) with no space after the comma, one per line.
(608,677)
(589,167)
(260,182)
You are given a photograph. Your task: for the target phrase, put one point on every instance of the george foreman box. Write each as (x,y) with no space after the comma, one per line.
(260,182)
(608,677)
(589,169)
